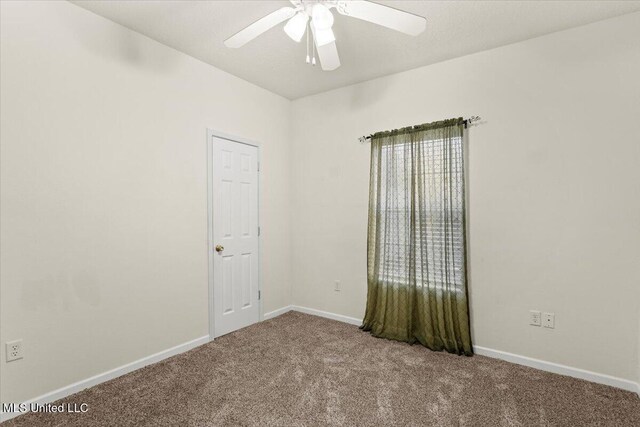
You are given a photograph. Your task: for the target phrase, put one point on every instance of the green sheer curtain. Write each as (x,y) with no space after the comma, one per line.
(417,286)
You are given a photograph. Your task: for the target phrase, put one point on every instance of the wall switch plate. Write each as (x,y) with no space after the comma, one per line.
(14,350)
(549,320)
(337,286)
(534,318)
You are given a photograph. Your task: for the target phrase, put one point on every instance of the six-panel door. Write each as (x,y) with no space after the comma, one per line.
(235,235)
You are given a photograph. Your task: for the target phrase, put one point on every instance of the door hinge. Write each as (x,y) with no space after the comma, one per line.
(258,231)
(258,166)
(258,294)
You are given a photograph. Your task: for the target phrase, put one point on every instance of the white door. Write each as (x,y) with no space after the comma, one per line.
(235,235)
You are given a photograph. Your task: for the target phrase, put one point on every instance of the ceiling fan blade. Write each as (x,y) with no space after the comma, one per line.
(327,54)
(386,16)
(260,26)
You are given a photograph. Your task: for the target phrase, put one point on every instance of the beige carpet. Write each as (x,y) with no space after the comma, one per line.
(304,370)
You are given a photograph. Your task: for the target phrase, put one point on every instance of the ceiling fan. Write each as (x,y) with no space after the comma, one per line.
(316,15)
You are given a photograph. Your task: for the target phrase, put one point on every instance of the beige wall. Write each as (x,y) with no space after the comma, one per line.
(554,194)
(104,207)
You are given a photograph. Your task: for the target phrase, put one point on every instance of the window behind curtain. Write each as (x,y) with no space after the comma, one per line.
(442,213)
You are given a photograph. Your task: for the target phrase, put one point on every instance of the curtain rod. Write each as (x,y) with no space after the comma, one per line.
(466,122)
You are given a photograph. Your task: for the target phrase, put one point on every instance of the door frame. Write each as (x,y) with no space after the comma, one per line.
(211,133)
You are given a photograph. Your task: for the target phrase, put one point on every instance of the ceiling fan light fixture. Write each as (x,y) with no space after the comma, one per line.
(296,26)
(323,37)
(322,17)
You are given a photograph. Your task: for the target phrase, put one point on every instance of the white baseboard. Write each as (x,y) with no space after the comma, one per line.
(557,368)
(109,375)
(276,313)
(328,315)
(314,312)
(497,354)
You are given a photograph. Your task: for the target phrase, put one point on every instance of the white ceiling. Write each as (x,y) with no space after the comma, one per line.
(275,62)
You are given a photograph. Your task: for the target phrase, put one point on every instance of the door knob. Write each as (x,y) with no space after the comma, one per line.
(219,248)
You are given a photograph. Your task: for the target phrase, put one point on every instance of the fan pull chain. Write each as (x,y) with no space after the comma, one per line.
(313,49)
(308,29)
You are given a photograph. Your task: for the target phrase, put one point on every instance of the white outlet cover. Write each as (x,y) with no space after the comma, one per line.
(549,320)
(14,350)
(535,318)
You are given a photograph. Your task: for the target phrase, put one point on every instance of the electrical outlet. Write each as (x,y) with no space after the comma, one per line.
(534,318)
(549,320)
(14,350)
(337,286)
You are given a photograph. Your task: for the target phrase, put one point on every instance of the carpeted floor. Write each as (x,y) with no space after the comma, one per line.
(299,370)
